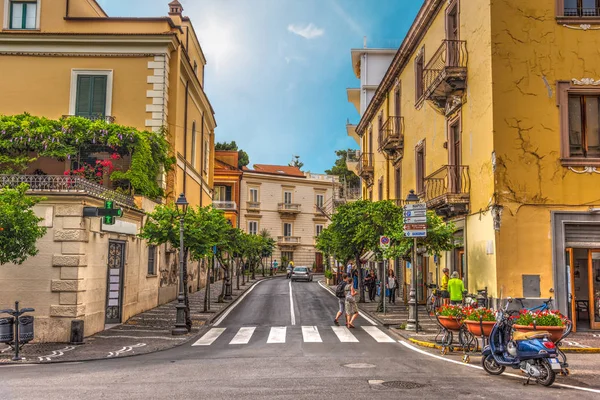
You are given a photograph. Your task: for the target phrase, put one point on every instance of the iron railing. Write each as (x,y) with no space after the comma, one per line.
(66,184)
(288,239)
(253,205)
(582,11)
(392,132)
(225,205)
(448,180)
(106,118)
(451,54)
(365,163)
(289,207)
(352,155)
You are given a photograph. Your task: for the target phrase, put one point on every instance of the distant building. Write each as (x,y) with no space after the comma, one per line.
(228,176)
(289,204)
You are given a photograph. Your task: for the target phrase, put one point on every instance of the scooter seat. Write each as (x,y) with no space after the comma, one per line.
(530,335)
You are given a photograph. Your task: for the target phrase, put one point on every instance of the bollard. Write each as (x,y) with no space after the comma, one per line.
(6,329)
(77,329)
(25,329)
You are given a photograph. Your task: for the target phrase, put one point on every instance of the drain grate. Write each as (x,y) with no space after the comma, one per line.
(403,385)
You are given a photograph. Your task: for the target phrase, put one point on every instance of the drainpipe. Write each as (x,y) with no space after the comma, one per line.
(67,9)
(201,156)
(185,118)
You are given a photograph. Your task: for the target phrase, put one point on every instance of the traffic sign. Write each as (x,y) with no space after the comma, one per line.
(417,213)
(384,241)
(415,234)
(415,227)
(418,206)
(415,220)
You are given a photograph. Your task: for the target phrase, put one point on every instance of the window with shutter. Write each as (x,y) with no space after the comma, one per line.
(23,15)
(228,193)
(91,96)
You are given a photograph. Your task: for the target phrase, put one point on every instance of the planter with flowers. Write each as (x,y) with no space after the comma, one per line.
(551,321)
(479,321)
(450,316)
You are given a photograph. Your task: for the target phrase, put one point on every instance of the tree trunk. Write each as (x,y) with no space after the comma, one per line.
(207,289)
(225,273)
(262,261)
(188,319)
(237,270)
(253,266)
(382,279)
(361,283)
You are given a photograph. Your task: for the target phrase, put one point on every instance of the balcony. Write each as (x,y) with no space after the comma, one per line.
(352,157)
(447,190)
(53,184)
(445,75)
(288,240)
(366,168)
(225,205)
(106,118)
(391,137)
(253,205)
(289,208)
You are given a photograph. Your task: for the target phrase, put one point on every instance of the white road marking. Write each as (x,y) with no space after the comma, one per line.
(310,334)
(235,303)
(209,337)
(243,336)
(125,349)
(292,305)
(369,320)
(56,353)
(405,344)
(378,335)
(277,334)
(344,334)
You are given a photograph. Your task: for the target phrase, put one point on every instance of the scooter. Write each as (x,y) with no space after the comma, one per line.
(289,274)
(530,352)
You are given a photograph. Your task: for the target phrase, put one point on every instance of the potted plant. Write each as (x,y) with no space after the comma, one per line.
(479,321)
(548,320)
(450,316)
(329,277)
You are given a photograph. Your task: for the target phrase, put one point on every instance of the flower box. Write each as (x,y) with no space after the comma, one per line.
(556,332)
(475,328)
(450,323)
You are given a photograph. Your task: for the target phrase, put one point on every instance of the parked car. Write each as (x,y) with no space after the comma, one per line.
(302,273)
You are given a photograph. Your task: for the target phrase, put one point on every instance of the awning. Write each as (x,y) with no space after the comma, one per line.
(368,256)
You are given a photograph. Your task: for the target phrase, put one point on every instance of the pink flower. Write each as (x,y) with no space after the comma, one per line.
(66,173)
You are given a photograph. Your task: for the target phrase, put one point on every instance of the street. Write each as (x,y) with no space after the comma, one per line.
(264,347)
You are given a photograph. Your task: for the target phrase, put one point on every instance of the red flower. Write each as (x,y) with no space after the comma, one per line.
(115,156)
(66,173)
(98,173)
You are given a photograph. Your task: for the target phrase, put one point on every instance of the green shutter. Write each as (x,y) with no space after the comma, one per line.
(84,94)
(91,96)
(99,96)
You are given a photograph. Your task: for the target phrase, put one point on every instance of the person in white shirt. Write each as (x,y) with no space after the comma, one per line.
(391,285)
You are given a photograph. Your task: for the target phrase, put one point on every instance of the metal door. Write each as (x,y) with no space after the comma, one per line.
(114,283)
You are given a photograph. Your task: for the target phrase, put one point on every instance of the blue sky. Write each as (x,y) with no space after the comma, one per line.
(278,70)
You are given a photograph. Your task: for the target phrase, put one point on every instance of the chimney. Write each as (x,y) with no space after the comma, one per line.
(175,8)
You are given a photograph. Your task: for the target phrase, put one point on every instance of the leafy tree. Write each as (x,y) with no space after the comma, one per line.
(268,245)
(243,158)
(19,230)
(296,162)
(340,169)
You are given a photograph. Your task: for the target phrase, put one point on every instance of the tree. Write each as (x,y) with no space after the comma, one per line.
(340,169)
(243,158)
(19,230)
(296,162)
(268,245)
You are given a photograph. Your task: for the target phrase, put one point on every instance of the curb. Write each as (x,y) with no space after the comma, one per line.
(584,350)
(192,335)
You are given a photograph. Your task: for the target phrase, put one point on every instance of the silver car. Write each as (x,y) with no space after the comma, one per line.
(302,273)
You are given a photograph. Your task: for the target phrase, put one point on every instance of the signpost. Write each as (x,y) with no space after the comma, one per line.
(415,226)
(384,243)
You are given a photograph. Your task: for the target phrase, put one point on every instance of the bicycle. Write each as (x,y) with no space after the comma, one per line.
(546,305)
(434,300)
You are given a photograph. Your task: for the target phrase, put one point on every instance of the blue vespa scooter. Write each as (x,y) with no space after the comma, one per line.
(530,352)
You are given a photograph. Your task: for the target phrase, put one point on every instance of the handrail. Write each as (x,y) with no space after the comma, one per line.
(365,161)
(66,183)
(224,205)
(449,179)
(451,54)
(109,119)
(289,207)
(581,12)
(392,129)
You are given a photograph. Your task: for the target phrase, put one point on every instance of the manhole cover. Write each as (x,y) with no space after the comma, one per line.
(403,385)
(360,365)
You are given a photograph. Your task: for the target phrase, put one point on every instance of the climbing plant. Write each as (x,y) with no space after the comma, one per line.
(24,138)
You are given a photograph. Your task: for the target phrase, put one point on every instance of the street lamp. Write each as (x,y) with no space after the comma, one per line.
(413,312)
(180,325)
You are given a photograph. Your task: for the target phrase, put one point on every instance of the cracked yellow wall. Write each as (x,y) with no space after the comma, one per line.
(531,52)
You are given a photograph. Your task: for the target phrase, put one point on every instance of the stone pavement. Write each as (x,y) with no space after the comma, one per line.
(144,333)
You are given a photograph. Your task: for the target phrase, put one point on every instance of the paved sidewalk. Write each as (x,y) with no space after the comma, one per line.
(144,333)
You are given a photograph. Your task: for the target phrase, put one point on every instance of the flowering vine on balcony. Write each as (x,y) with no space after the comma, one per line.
(24,138)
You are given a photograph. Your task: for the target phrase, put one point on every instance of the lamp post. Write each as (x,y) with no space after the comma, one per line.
(228,274)
(180,326)
(413,313)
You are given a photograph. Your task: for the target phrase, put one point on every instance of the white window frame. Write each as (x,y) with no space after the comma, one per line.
(322,196)
(291,229)
(7,15)
(221,190)
(317,230)
(109,87)
(206,157)
(250,223)
(250,190)
(291,196)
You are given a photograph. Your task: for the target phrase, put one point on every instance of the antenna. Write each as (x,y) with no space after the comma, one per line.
(364,42)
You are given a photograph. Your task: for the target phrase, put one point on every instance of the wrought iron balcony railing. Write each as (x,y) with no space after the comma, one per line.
(582,11)
(66,184)
(289,207)
(225,205)
(352,155)
(447,65)
(365,164)
(449,184)
(288,240)
(392,134)
(253,205)
(106,118)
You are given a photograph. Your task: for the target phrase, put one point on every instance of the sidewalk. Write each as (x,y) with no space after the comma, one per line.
(144,333)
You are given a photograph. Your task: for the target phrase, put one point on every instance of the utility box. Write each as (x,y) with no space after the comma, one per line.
(25,329)
(7,329)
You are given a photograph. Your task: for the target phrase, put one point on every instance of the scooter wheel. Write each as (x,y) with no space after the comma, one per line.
(490,365)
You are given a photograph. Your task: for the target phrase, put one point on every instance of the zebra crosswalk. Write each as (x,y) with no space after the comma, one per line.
(282,334)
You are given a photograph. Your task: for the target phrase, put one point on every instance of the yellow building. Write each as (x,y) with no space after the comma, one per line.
(489,110)
(67,57)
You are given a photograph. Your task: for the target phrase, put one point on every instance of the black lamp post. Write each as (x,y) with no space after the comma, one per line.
(413,313)
(180,325)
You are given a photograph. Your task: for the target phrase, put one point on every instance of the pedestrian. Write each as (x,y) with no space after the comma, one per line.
(456,288)
(371,284)
(351,307)
(340,293)
(444,287)
(391,286)
(349,268)
(355,278)
(275,265)
(290,268)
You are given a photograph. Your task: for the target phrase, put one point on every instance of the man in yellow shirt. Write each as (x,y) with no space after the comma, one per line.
(456,288)
(444,287)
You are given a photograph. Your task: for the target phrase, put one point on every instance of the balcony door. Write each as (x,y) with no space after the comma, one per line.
(452,34)
(454,157)
(287,197)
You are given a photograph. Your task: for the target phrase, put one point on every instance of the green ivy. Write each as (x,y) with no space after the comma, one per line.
(24,134)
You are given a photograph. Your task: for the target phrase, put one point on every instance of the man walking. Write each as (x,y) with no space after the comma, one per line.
(444,287)
(371,284)
(456,288)
(340,293)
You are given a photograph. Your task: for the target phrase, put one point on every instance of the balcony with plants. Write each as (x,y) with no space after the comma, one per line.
(78,155)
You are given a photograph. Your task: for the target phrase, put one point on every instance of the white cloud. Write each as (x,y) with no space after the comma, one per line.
(310,31)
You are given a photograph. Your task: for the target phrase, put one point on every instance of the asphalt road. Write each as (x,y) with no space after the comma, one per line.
(263,350)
